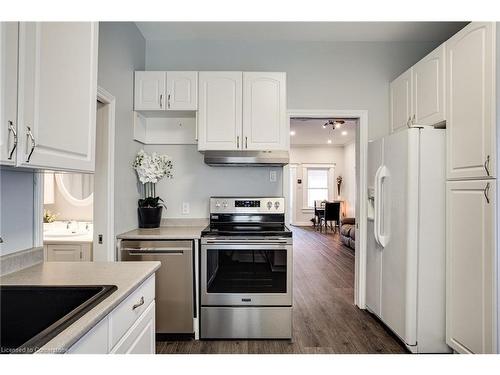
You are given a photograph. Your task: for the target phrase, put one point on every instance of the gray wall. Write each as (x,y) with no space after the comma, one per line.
(320,75)
(121,52)
(194,182)
(17,210)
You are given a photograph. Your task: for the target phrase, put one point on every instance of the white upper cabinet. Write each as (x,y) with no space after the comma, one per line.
(220,111)
(57,95)
(429,88)
(418,95)
(264,111)
(470,266)
(470,107)
(8,92)
(401,100)
(149,91)
(182,91)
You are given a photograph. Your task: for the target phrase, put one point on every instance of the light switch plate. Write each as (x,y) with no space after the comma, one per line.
(272,176)
(185,208)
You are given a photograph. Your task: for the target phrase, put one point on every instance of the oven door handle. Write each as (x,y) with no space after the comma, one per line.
(246,241)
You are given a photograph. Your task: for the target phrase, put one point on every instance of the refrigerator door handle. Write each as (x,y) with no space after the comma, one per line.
(376,196)
(382,175)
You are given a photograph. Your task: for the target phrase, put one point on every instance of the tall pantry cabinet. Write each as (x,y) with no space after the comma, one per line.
(471,285)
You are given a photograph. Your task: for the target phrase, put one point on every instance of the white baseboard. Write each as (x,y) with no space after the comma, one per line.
(302,224)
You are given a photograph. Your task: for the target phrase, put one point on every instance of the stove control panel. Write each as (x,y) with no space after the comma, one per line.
(272,205)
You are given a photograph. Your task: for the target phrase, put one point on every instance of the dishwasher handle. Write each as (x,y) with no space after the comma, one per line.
(154,251)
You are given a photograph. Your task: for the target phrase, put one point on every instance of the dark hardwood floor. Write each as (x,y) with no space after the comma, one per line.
(325,319)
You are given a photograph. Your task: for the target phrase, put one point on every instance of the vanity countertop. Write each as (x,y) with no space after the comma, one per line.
(127,276)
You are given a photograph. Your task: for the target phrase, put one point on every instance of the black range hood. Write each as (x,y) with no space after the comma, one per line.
(246,158)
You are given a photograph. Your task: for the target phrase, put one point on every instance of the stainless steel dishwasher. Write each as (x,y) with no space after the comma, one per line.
(174,281)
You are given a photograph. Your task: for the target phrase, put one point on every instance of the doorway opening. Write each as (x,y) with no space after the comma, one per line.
(328,151)
(77,209)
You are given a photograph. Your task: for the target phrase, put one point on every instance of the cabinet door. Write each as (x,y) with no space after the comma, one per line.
(8,91)
(470,107)
(401,102)
(428,88)
(264,111)
(149,91)
(57,95)
(182,91)
(63,253)
(470,264)
(219,111)
(95,341)
(140,339)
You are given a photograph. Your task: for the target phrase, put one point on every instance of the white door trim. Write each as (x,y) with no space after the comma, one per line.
(107,98)
(361,188)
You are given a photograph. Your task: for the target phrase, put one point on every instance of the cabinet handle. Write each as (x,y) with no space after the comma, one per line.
(237,141)
(161,100)
(413,120)
(12,130)
(81,257)
(486,192)
(138,304)
(168,101)
(487,165)
(408,123)
(246,142)
(29,134)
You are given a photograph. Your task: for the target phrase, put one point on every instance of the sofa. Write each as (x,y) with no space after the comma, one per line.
(348,232)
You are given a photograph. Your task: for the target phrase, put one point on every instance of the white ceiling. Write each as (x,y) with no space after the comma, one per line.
(301,31)
(311,132)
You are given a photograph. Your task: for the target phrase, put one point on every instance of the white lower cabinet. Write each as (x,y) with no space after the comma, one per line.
(470,266)
(140,339)
(128,329)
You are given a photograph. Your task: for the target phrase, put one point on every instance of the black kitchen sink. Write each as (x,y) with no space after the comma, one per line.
(32,315)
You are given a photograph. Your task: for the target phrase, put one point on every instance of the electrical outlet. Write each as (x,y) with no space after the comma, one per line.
(272,176)
(185,208)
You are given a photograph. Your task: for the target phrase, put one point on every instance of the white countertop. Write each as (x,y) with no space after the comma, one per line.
(127,276)
(164,233)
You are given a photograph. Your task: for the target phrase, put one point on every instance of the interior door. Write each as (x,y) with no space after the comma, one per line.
(399,225)
(470,85)
(149,91)
(470,265)
(57,95)
(219,111)
(401,102)
(8,91)
(428,88)
(374,249)
(182,91)
(264,111)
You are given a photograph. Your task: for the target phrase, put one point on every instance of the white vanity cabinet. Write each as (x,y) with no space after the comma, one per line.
(57,95)
(129,328)
(8,92)
(68,252)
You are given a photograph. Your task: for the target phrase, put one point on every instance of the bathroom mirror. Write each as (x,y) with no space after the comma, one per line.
(77,188)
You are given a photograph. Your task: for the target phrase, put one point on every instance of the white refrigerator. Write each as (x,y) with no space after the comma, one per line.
(405,271)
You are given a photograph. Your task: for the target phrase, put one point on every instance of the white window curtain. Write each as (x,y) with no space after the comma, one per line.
(318,183)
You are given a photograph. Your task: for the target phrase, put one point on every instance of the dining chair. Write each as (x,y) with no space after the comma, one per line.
(331,213)
(319,209)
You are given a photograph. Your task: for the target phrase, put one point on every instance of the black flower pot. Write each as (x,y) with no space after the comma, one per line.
(149,217)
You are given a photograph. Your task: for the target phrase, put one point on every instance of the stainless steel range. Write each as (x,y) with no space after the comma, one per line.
(246,270)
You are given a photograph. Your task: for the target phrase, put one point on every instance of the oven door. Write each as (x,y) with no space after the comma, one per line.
(246,273)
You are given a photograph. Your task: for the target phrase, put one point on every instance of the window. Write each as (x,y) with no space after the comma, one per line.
(317,185)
